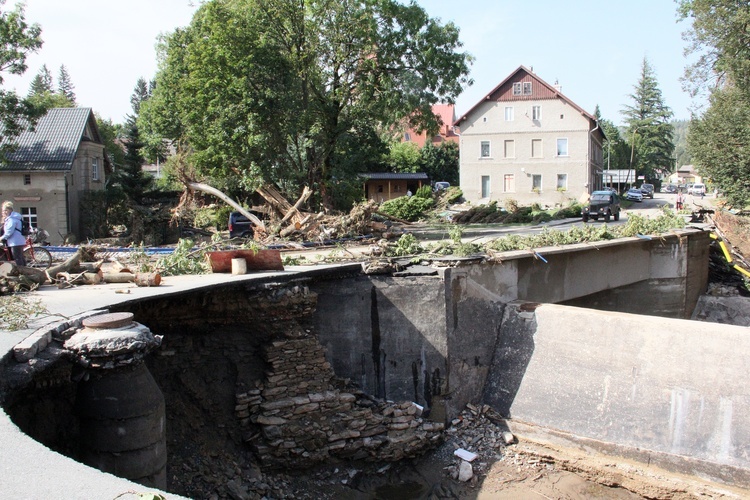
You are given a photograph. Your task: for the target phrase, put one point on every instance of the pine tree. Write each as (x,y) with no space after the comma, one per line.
(141,93)
(648,128)
(131,177)
(42,83)
(65,85)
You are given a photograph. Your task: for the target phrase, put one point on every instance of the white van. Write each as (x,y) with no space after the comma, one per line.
(697,189)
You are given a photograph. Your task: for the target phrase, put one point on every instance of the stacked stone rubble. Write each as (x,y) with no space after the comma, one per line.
(301,415)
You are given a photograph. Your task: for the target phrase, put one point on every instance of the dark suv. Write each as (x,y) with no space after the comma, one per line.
(647,190)
(602,204)
(240,226)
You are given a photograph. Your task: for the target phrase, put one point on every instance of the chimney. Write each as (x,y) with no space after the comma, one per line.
(557,86)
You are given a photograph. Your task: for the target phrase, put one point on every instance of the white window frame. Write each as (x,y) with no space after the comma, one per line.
(562,182)
(517,88)
(486,181)
(562,147)
(29,214)
(509,113)
(536,113)
(526,88)
(536,182)
(509,148)
(482,146)
(95,169)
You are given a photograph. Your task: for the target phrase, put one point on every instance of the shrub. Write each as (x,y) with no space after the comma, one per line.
(407,207)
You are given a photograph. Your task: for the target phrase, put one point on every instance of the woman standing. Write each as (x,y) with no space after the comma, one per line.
(12,233)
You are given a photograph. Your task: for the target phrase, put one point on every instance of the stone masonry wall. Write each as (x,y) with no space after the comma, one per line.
(307,416)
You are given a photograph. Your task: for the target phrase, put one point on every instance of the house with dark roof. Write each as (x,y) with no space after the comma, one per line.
(384,186)
(528,142)
(52,169)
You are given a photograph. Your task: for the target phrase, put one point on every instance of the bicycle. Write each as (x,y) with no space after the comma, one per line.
(36,256)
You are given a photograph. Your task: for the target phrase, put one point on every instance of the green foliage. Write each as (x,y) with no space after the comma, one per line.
(720,144)
(16,311)
(271,92)
(424,192)
(19,39)
(407,244)
(649,129)
(94,215)
(440,163)
(184,260)
(453,194)
(404,157)
(65,85)
(408,208)
(718,37)
(636,225)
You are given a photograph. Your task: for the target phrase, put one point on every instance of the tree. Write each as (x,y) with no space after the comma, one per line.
(43,95)
(720,144)
(289,91)
(648,127)
(720,38)
(42,82)
(404,157)
(440,163)
(65,85)
(17,40)
(616,150)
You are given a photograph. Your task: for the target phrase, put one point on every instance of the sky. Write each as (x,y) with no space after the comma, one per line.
(593,49)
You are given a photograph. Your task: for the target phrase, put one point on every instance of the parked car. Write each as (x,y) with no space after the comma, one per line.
(439,186)
(604,204)
(647,190)
(634,194)
(240,226)
(697,189)
(669,188)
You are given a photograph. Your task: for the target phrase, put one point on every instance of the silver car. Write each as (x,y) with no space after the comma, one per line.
(634,194)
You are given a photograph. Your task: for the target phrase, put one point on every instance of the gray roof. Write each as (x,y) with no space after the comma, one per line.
(53,143)
(390,176)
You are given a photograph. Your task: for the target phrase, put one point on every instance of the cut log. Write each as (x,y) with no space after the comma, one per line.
(122,277)
(82,254)
(147,279)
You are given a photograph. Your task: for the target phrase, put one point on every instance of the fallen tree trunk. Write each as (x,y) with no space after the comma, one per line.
(147,279)
(199,186)
(11,270)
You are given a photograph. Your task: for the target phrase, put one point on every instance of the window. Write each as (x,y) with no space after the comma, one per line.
(536,148)
(509,183)
(29,215)
(26,179)
(562,147)
(509,113)
(407,137)
(509,149)
(536,183)
(397,188)
(522,88)
(95,169)
(536,113)
(485,153)
(562,182)
(380,188)
(485,186)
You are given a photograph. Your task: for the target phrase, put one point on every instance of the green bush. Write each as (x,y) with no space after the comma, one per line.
(408,208)
(424,192)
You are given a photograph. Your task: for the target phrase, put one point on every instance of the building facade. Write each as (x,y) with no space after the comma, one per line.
(527,142)
(52,169)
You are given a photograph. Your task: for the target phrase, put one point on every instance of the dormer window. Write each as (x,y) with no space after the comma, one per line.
(526,88)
